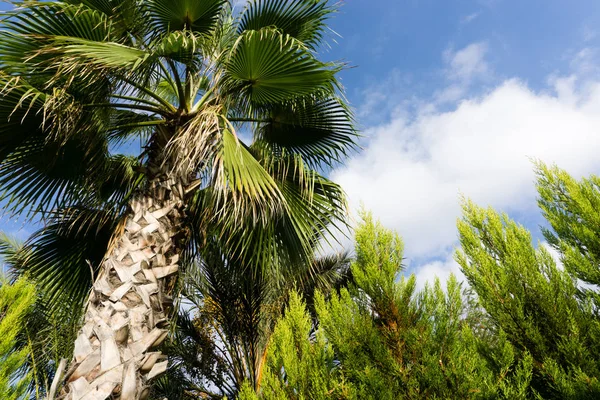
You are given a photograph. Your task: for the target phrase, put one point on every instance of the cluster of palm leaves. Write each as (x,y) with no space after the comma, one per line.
(99,97)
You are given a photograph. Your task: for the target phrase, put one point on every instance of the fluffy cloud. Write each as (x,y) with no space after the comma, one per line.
(414,168)
(467,63)
(463,68)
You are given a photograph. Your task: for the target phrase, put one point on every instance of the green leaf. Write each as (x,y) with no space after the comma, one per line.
(267,67)
(38,170)
(28,30)
(127,18)
(195,15)
(78,53)
(126,125)
(118,180)
(58,19)
(242,176)
(311,215)
(313,206)
(21,116)
(180,46)
(571,207)
(321,131)
(301,19)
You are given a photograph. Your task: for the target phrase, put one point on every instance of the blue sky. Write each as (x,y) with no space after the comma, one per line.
(455,97)
(525,39)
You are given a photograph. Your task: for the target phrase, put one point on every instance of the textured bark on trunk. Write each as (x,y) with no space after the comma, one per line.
(128,308)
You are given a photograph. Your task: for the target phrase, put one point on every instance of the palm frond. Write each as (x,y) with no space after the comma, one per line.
(21,115)
(313,206)
(268,67)
(10,248)
(180,46)
(323,274)
(241,179)
(93,60)
(127,18)
(99,54)
(30,28)
(316,205)
(57,19)
(196,361)
(119,180)
(301,19)
(322,131)
(179,15)
(237,307)
(64,255)
(37,169)
(306,220)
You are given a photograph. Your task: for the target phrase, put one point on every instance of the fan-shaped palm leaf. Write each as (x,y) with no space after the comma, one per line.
(320,130)
(269,67)
(301,19)
(196,16)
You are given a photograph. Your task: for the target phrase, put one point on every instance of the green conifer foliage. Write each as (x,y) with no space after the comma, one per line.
(16,301)
(528,326)
(531,300)
(380,339)
(394,342)
(573,210)
(299,368)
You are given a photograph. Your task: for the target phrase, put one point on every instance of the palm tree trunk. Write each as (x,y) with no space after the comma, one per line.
(126,317)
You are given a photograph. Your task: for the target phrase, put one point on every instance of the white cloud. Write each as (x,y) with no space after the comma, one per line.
(414,168)
(418,162)
(467,63)
(384,96)
(585,61)
(463,68)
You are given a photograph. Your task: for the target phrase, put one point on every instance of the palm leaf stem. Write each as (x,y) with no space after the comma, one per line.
(135,100)
(179,85)
(257,120)
(202,100)
(140,124)
(167,76)
(150,93)
(187,96)
(138,107)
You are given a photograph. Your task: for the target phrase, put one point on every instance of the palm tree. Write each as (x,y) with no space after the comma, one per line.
(82,81)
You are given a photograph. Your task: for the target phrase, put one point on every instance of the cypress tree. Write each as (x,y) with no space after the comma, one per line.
(537,305)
